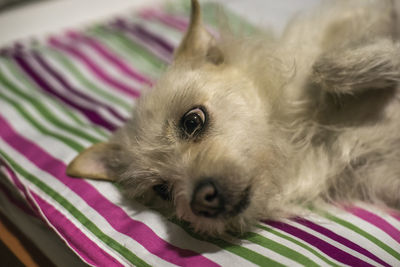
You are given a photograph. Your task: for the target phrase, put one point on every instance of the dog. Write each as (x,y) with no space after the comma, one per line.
(242,128)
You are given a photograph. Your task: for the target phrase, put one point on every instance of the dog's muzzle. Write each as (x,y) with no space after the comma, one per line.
(209,200)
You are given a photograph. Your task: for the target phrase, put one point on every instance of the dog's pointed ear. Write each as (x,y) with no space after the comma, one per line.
(101,161)
(198,42)
(355,69)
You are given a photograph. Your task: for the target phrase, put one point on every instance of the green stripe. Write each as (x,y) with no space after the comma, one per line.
(73,70)
(265,228)
(120,48)
(157,26)
(360,232)
(19,76)
(237,24)
(76,213)
(46,113)
(211,16)
(246,253)
(131,47)
(22,111)
(278,248)
(240,251)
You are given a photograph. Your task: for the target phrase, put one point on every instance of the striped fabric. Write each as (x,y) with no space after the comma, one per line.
(62,94)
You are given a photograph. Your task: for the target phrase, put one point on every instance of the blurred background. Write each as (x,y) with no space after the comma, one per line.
(26,18)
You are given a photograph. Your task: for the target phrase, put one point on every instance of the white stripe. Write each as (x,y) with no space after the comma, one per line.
(109,69)
(266,252)
(381,213)
(308,245)
(75,83)
(154,49)
(60,89)
(293,246)
(140,62)
(91,77)
(21,126)
(360,239)
(81,205)
(157,27)
(333,242)
(50,104)
(29,108)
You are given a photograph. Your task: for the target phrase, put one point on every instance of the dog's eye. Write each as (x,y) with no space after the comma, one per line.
(193,122)
(163,191)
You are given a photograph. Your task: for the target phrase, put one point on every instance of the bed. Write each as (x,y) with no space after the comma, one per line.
(68,81)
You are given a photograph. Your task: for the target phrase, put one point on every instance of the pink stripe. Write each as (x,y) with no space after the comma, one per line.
(65,83)
(109,56)
(143,40)
(117,217)
(78,241)
(180,24)
(340,239)
(326,247)
(15,201)
(97,70)
(173,21)
(34,211)
(375,220)
(13,177)
(395,215)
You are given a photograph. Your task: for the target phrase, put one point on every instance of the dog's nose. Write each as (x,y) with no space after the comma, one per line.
(207,199)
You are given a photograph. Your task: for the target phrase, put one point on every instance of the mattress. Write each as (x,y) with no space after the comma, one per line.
(64,92)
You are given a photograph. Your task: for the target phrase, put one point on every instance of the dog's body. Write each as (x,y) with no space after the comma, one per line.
(243,129)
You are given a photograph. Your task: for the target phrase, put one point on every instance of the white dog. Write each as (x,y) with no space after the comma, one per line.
(246,128)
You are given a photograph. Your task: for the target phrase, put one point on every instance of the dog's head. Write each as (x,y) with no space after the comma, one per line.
(208,139)
(196,140)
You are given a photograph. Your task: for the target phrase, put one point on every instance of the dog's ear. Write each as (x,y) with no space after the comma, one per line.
(355,69)
(101,161)
(198,42)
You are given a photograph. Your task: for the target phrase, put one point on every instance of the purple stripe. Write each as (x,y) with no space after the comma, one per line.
(65,83)
(145,44)
(150,38)
(94,68)
(375,220)
(180,24)
(78,241)
(111,57)
(16,202)
(33,211)
(173,21)
(116,216)
(394,214)
(13,177)
(325,247)
(339,239)
(42,83)
(144,33)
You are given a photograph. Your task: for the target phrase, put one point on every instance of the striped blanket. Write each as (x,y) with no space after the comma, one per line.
(64,93)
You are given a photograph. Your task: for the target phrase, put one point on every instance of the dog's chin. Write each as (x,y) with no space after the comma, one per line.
(213,227)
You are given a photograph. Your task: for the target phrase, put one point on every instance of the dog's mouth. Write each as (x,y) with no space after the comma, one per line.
(241,205)
(210,201)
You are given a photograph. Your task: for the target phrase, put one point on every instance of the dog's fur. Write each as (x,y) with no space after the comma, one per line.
(310,116)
